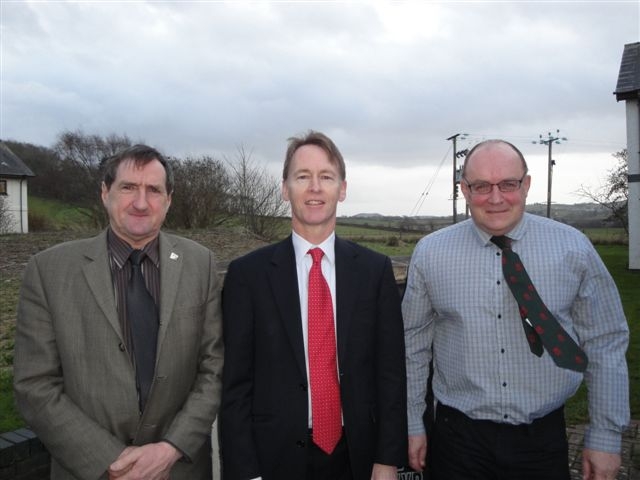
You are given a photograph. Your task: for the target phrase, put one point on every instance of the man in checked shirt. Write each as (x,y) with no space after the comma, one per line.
(499,412)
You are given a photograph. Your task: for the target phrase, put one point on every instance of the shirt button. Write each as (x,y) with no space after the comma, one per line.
(498,282)
(504,384)
(499,315)
(502,350)
(506,416)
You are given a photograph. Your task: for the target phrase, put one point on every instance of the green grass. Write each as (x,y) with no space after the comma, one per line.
(388,246)
(10,419)
(607,236)
(616,259)
(48,214)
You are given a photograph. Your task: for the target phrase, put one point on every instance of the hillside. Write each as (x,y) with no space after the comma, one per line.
(579,215)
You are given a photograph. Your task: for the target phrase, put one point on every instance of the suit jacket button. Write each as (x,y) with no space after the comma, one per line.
(301,444)
(303,387)
(121,347)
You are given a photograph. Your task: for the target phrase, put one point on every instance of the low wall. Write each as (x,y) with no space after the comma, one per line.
(22,456)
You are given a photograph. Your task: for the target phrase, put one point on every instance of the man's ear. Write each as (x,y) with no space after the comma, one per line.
(104,191)
(343,191)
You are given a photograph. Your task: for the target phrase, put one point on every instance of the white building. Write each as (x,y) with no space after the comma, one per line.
(14,213)
(628,89)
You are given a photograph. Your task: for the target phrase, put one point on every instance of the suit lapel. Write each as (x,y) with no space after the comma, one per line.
(283,278)
(97,273)
(171,262)
(346,283)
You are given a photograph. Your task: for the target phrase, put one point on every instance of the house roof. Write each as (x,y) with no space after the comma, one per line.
(628,87)
(11,165)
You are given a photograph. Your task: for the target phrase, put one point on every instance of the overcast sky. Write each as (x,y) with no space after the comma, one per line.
(388,81)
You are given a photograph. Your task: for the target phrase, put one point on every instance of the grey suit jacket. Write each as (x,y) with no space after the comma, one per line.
(73,378)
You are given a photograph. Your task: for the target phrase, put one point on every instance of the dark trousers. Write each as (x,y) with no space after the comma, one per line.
(321,466)
(466,449)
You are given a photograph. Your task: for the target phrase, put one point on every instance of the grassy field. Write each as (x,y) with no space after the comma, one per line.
(17,249)
(607,236)
(52,215)
(615,258)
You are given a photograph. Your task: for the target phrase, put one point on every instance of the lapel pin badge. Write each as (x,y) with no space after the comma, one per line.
(173,256)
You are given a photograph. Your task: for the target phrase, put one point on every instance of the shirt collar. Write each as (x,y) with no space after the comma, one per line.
(120,250)
(301,247)
(516,233)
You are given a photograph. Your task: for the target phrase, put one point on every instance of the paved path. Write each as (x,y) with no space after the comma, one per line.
(630,469)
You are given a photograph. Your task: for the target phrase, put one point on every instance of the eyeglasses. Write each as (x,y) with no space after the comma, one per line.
(505,186)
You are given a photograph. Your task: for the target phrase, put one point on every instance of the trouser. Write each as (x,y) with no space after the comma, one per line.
(321,466)
(465,449)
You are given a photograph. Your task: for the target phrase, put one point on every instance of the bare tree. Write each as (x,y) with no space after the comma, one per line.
(201,193)
(6,219)
(614,194)
(257,197)
(81,156)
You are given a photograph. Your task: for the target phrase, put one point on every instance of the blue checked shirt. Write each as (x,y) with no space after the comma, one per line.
(457,306)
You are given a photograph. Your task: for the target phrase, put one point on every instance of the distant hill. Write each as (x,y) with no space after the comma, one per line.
(579,215)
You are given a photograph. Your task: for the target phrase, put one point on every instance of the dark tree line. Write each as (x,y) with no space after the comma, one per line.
(208,191)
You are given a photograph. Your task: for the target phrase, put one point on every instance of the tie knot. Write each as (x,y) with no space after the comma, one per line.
(136,257)
(502,241)
(316,254)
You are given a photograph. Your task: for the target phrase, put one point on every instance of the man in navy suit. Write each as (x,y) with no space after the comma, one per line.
(266,419)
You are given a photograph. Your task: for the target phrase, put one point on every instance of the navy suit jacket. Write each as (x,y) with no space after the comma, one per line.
(264,413)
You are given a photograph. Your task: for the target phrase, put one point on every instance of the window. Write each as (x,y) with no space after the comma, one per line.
(3,187)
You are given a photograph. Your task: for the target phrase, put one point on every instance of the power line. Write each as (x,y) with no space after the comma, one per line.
(423,195)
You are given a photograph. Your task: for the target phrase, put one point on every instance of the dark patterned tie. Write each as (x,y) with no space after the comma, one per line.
(541,327)
(142,315)
(323,371)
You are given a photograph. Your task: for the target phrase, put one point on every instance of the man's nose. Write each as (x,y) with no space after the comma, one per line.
(314,183)
(495,195)
(140,200)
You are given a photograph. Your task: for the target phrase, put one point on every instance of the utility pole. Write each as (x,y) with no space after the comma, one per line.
(549,141)
(456,174)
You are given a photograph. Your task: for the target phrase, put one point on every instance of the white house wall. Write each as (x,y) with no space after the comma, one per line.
(633,157)
(17,204)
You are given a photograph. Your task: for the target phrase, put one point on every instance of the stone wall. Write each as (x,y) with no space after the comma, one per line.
(22,456)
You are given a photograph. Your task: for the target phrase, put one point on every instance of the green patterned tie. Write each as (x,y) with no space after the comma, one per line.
(541,327)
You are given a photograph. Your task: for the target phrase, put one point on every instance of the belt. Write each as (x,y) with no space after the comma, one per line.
(551,419)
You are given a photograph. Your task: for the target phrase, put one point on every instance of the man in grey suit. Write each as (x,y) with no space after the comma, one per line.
(76,381)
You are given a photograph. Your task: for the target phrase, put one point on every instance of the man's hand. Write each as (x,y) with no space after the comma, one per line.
(148,462)
(598,465)
(384,472)
(417,452)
